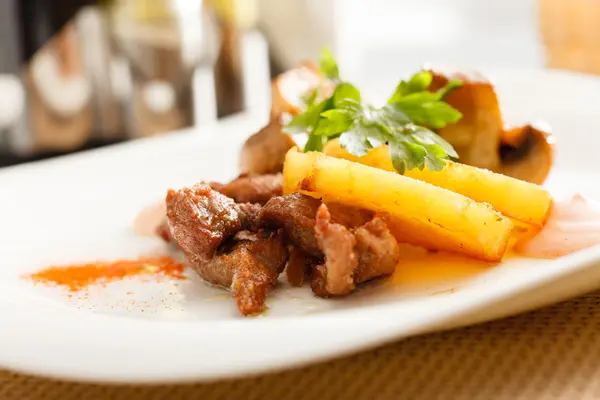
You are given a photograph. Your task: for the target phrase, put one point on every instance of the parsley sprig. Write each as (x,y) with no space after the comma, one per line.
(404,123)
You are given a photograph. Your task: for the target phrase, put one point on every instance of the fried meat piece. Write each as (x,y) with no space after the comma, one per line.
(207,226)
(355,245)
(264,152)
(296,214)
(299,266)
(250,267)
(377,249)
(352,255)
(163,231)
(252,188)
(337,244)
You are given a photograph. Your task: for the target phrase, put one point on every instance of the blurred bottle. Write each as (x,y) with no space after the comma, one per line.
(164,41)
(570,33)
(55,82)
(76,74)
(59,94)
(106,71)
(233,17)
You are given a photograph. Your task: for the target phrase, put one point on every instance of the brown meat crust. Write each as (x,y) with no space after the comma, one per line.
(264,152)
(251,268)
(200,219)
(352,256)
(227,244)
(377,249)
(337,244)
(299,267)
(207,226)
(296,214)
(252,188)
(163,231)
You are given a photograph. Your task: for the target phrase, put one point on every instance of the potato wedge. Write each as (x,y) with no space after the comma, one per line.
(513,198)
(521,232)
(419,213)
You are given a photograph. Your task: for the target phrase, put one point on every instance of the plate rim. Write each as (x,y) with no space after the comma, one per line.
(41,361)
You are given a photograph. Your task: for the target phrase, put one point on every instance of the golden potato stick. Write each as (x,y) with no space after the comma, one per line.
(522,231)
(420,213)
(513,198)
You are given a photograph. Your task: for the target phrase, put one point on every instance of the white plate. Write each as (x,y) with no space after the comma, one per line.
(80,208)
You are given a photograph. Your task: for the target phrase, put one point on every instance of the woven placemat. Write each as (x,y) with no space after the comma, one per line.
(552,353)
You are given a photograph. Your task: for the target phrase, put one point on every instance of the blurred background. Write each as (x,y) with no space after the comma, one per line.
(78,74)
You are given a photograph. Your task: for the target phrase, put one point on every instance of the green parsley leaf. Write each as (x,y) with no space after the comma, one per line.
(403,124)
(333,122)
(308,120)
(404,155)
(450,86)
(425,108)
(424,135)
(314,143)
(301,123)
(310,97)
(419,82)
(345,92)
(358,139)
(329,66)
(390,115)
(411,146)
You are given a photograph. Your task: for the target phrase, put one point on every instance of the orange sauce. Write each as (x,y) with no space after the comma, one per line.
(573,225)
(77,277)
(418,267)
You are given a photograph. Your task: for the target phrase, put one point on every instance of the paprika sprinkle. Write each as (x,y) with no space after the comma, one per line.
(77,277)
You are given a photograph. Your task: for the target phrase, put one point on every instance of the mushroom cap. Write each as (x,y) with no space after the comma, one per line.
(476,135)
(480,138)
(527,153)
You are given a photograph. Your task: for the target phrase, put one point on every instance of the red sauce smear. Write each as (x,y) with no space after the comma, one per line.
(77,277)
(573,225)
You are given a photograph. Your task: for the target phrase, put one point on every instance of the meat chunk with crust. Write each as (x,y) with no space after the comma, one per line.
(250,267)
(350,217)
(299,266)
(377,249)
(252,188)
(200,219)
(296,214)
(247,212)
(164,232)
(264,152)
(337,244)
(207,226)
(352,255)
(356,245)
